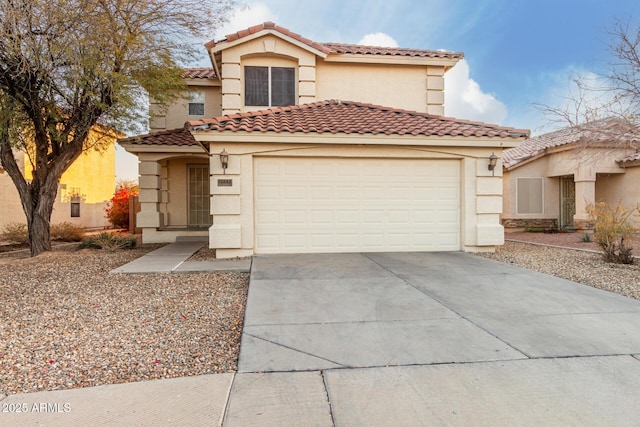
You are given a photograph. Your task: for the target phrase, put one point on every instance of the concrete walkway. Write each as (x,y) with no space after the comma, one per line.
(173,257)
(394,339)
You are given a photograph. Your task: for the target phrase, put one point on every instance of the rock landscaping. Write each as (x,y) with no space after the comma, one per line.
(67,322)
(578,265)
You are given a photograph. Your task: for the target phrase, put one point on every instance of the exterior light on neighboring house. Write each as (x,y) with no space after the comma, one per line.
(493,161)
(224,160)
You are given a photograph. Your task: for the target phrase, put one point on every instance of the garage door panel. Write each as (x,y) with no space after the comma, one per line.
(347,217)
(347,205)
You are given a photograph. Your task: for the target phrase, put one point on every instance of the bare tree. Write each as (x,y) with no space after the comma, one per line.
(68,65)
(614,94)
(624,74)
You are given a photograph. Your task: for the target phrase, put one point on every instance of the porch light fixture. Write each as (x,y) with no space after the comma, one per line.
(224,160)
(493,161)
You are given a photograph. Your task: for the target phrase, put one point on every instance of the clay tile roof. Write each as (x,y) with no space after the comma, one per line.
(633,158)
(198,73)
(349,117)
(339,48)
(269,26)
(175,137)
(390,51)
(605,130)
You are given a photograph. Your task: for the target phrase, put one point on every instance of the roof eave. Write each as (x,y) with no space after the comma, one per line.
(355,138)
(391,59)
(224,44)
(159,148)
(628,164)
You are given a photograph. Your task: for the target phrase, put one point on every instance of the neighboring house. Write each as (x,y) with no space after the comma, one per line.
(331,148)
(550,179)
(84,189)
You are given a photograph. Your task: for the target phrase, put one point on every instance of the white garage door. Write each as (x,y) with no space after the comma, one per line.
(356,205)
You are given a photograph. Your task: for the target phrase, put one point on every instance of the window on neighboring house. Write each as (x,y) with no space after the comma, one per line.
(75,209)
(529,196)
(269,86)
(196,103)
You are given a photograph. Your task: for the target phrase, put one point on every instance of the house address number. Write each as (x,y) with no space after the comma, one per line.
(225,183)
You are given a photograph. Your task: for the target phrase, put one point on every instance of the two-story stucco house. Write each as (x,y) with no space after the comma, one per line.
(294,146)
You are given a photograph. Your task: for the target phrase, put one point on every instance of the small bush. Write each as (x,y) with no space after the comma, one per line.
(109,241)
(66,232)
(117,210)
(613,231)
(15,232)
(586,238)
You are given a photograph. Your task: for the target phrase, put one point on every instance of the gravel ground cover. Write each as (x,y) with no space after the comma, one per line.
(580,266)
(65,322)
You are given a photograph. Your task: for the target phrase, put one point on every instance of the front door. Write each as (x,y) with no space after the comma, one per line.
(198,214)
(567,201)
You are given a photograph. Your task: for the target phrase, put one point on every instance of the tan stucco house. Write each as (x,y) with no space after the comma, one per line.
(550,179)
(295,146)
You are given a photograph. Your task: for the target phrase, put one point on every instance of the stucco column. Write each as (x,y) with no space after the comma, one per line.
(488,200)
(585,195)
(150,185)
(435,90)
(231,83)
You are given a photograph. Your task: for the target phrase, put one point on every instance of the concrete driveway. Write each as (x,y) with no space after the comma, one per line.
(431,339)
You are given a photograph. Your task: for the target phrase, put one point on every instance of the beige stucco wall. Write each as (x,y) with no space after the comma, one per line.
(91,214)
(175,115)
(163,193)
(9,202)
(267,50)
(400,86)
(550,189)
(232,233)
(620,188)
(406,84)
(177,175)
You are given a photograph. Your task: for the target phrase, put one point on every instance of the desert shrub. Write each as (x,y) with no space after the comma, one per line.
(586,237)
(613,231)
(109,241)
(15,232)
(66,232)
(117,209)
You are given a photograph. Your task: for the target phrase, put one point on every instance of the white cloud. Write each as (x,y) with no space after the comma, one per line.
(464,99)
(245,17)
(378,39)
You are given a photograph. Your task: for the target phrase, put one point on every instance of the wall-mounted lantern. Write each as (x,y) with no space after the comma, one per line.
(493,161)
(224,160)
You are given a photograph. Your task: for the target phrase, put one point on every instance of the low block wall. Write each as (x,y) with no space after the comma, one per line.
(544,223)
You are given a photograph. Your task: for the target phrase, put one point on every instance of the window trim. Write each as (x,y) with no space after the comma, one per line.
(541,179)
(194,96)
(269,86)
(75,209)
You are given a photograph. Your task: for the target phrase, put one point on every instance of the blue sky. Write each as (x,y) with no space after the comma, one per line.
(517,52)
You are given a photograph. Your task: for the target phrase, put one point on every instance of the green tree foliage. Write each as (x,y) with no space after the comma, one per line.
(69,65)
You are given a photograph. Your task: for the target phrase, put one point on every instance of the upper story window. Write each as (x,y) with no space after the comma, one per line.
(196,103)
(269,86)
